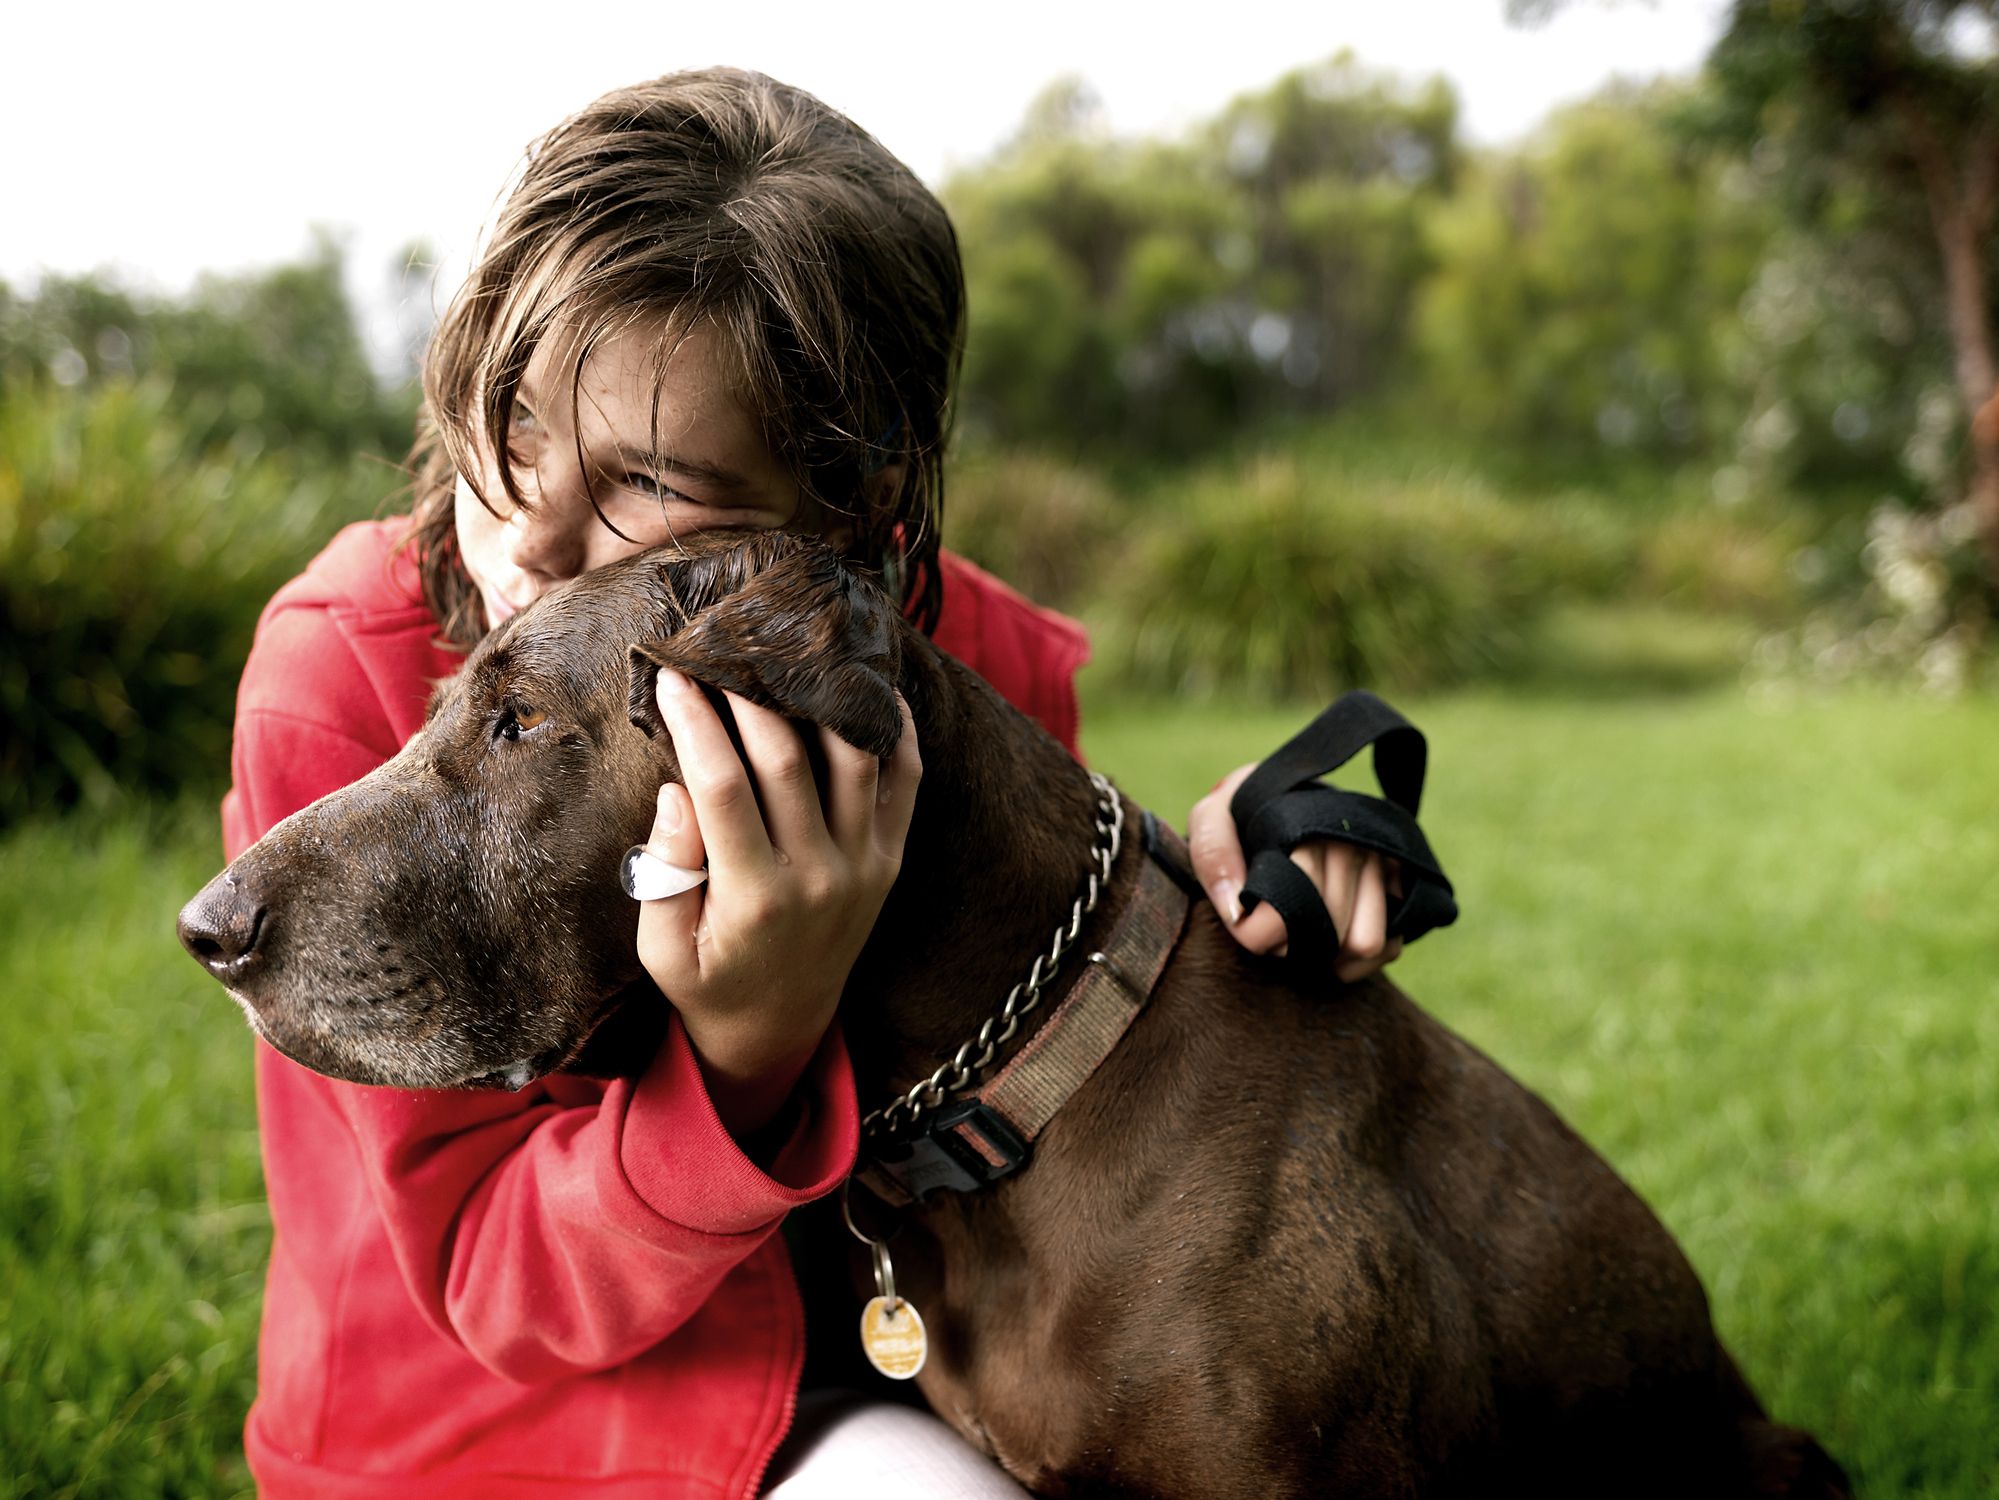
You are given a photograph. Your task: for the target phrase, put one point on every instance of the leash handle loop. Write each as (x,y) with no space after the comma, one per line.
(1283,803)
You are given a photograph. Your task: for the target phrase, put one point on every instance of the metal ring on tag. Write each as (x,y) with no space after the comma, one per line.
(878,1249)
(847,1211)
(884,1275)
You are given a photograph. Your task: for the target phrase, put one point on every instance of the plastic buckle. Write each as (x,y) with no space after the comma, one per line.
(965,1147)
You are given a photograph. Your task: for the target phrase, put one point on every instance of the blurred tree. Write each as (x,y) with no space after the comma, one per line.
(1155,296)
(72,329)
(1338,165)
(1586,287)
(165,464)
(1889,109)
(269,359)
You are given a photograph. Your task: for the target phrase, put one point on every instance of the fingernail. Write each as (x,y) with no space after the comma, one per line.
(671,681)
(666,819)
(1226,901)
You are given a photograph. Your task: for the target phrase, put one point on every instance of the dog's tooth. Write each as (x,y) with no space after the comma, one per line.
(520,1075)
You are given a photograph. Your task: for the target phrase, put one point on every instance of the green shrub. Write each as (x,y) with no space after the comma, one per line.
(1720,560)
(132,571)
(1276,582)
(1046,527)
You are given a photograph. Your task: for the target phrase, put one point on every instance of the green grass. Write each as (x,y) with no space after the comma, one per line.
(1749,953)
(1747,950)
(133,1233)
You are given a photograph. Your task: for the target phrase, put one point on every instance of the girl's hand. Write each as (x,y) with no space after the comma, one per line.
(1356,884)
(755,959)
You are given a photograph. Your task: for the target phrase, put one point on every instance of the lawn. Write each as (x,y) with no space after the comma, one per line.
(132,1225)
(1747,948)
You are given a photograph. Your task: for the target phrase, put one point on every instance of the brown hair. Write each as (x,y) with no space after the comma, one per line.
(720,197)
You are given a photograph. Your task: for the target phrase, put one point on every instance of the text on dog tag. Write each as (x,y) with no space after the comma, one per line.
(893,1338)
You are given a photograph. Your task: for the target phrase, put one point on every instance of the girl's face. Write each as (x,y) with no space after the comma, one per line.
(706,465)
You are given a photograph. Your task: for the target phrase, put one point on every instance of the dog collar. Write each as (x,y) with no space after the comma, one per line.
(965,1143)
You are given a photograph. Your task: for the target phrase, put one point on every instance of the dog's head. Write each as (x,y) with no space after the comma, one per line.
(455,917)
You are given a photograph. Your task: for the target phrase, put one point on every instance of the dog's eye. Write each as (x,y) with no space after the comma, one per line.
(514,720)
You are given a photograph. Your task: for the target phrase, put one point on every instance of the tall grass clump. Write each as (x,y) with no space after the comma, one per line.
(1048,528)
(1280,581)
(1717,560)
(133,565)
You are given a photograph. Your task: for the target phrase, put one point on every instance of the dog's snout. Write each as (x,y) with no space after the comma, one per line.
(222,926)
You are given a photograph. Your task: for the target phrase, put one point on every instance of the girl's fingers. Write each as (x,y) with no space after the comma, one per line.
(1335,869)
(669,939)
(781,768)
(1341,872)
(717,783)
(895,789)
(675,836)
(668,946)
(1366,936)
(852,779)
(1262,931)
(1216,850)
(1351,881)
(1352,970)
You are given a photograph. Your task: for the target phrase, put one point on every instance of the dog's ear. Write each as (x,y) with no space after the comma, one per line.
(784,623)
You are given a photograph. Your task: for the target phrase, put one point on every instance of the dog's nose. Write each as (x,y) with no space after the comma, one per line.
(221,926)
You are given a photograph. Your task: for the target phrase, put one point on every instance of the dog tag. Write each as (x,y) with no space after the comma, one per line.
(647,877)
(892,1336)
(892,1333)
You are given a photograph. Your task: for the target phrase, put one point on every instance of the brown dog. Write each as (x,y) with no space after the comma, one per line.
(1291,1239)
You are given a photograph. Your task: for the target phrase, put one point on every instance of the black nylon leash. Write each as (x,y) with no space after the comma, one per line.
(1283,803)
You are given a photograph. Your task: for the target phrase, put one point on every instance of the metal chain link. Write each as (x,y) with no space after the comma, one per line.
(976,1055)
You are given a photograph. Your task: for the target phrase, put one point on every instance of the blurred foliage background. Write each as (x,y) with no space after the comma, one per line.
(165,465)
(1311,395)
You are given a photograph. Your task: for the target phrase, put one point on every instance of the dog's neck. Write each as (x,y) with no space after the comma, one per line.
(995,858)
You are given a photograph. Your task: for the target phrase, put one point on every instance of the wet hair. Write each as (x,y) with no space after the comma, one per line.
(718,198)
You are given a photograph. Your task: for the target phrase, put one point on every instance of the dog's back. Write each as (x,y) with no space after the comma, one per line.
(1291,1243)
(1289,1239)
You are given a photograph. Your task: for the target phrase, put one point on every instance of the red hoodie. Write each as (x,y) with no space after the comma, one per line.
(572,1289)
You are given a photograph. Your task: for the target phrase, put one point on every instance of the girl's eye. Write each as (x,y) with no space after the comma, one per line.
(522,433)
(514,720)
(654,489)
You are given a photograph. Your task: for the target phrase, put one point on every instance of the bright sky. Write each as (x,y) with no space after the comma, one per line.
(159,139)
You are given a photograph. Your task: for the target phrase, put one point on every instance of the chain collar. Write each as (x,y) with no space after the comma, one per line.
(906,1111)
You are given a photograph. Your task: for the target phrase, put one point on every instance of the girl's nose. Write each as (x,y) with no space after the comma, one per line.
(548,536)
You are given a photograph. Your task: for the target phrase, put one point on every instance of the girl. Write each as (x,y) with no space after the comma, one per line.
(710,300)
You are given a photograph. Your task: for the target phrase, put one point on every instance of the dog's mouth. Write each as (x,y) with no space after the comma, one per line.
(516,1076)
(389,1060)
